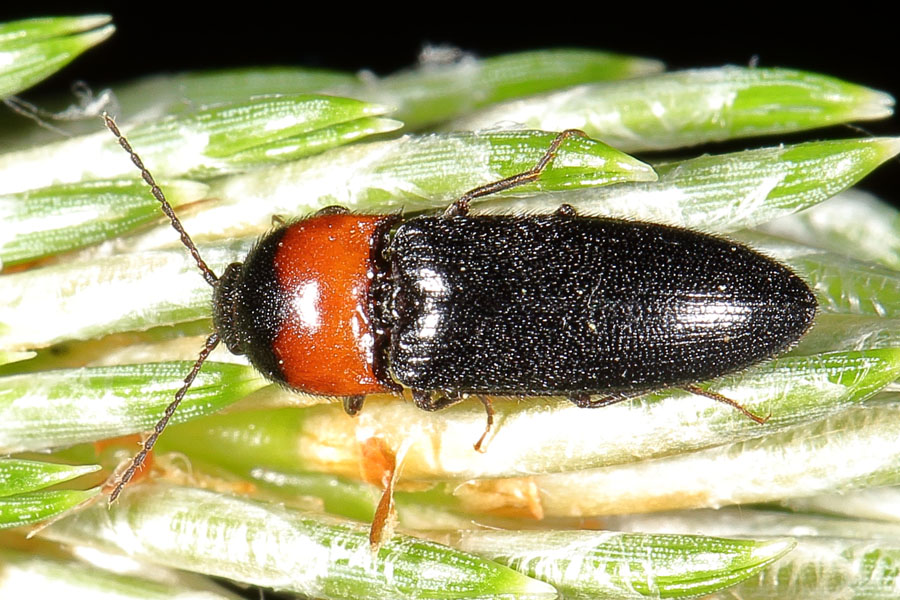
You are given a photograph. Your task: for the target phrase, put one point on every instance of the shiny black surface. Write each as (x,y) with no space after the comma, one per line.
(555,304)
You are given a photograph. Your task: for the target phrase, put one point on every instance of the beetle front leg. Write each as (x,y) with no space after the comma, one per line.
(353,404)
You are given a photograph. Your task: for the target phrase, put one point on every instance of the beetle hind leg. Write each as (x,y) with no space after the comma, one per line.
(432,401)
(693,389)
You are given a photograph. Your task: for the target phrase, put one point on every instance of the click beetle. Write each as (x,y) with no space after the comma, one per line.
(594,309)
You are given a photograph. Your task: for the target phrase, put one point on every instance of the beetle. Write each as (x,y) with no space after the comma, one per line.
(595,309)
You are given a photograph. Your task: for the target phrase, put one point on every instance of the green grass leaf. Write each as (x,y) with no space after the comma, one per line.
(585,565)
(725,192)
(20,476)
(51,220)
(33,49)
(204,143)
(286,550)
(58,408)
(549,466)
(435,92)
(27,509)
(854,223)
(832,455)
(686,108)
(48,575)
(794,390)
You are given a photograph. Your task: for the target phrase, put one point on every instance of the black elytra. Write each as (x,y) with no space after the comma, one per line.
(557,304)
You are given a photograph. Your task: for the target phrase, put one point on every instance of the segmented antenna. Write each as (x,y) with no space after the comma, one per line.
(210,277)
(211,342)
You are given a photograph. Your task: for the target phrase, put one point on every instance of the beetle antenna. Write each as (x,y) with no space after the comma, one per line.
(211,342)
(210,277)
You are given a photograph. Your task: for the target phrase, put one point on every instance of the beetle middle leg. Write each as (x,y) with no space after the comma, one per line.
(585,400)
(461,206)
(432,401)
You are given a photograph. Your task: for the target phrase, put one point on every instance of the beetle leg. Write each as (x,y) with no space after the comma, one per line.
(489,408)
(432,401)
(353,404)
(565,210)
(693,389)
(332,209)
(585,400)
(460,208)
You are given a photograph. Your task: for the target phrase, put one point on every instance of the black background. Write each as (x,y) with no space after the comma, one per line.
(159,37)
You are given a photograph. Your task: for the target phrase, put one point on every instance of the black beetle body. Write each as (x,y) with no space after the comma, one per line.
(545,305)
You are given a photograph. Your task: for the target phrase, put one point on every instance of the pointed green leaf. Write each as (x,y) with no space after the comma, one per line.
(725,192)
(200,144)
(834,558)
(59,218)
(586,565)
(19,476)
(33,49)
(793,390)
(58,408)
(272,546)
(26,509)
(685,108)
